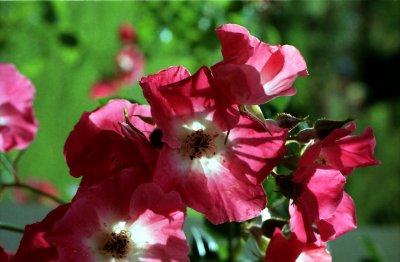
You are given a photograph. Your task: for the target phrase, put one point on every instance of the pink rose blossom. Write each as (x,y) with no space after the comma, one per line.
(341,222)
(254,72)
(217,172)
(122,220)
(316,195)
(18,125)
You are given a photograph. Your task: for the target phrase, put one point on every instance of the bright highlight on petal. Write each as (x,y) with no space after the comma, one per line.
(3,121)
(118,227)
(194,126)
(211,166)
(141,235)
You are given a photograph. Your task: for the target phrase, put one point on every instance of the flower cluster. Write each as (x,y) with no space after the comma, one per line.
(203,143)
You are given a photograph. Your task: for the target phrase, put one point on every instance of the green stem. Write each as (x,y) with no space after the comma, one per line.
(33,189)
(4,161)
(11,228)
(15,165)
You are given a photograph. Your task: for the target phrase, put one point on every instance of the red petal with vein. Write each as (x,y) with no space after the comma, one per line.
(282,249)
(341,222)
(320,195)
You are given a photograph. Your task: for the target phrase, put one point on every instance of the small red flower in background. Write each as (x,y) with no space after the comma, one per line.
(122,220)
(252,71)
(18,125)
(130,65)
(215,156)
(127,33)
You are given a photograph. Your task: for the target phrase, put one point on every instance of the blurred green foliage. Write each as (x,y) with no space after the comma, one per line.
(64,47)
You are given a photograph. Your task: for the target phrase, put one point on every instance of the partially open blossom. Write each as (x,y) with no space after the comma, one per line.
(342,151)
(18,125)
(121,220)
(290,250)
(341,222)
(34,246)
(252,71)
(214,156)
(100,145)
(316,194)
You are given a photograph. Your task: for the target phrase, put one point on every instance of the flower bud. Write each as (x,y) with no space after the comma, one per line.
(324,127)
(288,121)
(268,227)
(305,135)
(127,33)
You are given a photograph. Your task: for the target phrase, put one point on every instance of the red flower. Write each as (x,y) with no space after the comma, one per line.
(289,250)
(254,72)
(18,125)
(122,220)
(316,195)
(341,222)
(127,33)
(342,151)
(101,145)
(217,172)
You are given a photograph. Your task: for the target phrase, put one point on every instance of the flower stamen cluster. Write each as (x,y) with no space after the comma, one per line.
(199,144)
(117,244)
